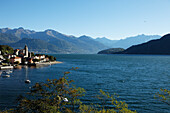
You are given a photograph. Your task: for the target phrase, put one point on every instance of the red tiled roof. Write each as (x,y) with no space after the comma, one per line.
(16,58)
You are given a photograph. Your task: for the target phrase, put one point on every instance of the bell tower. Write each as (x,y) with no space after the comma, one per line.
(26,51)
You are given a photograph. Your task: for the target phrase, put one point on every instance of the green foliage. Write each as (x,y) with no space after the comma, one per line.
(36,60)
(5,49)
(32,54)
(164,96)
(51,58)
(46,56)
(17,62)
(55,59)
(6,61)
(38,54)
(118,106)
(49,96)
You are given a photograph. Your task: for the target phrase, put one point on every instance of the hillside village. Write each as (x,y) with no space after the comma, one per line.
(23,57)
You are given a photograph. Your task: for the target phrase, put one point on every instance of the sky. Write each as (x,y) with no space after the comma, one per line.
(114,19)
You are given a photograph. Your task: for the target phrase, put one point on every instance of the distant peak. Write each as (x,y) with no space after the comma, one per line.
(102,38)
(3,30)
(20,28)
(51,30)
(84,36)
(140,35)
(8,28)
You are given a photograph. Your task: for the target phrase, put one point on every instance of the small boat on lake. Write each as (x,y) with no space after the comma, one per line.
(27,81)
(5,76)
(9,72)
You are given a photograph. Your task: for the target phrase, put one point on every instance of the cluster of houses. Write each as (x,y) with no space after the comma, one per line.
(23,56)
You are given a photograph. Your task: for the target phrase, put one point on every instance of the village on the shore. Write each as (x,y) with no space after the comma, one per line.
(24,57)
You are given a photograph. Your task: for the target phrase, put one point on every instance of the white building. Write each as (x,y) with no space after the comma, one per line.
(24,53)
(15,59)
(1,57)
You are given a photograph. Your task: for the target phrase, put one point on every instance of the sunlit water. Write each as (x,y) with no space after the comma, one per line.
(135,78)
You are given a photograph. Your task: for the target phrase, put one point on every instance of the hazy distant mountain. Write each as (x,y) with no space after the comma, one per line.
(127,42)
(69,44)
(106,41)
(90,43)
(159,46)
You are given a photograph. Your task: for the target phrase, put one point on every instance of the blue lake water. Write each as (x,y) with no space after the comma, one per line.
(135,78)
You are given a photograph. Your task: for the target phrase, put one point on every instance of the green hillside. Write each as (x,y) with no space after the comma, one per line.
(6,49)
(36,45)
(8,38)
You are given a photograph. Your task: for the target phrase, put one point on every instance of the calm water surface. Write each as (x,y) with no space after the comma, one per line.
(135,78)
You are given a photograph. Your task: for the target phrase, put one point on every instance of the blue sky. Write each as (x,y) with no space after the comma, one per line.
(114,19)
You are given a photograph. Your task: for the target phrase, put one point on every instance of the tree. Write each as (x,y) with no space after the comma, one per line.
(6,61)
(51,58)
(51,96)
(5,49)
(46,56)
(36,60)
(38,54)
(17,62)
(117,106)
(61,96)
(54,58)
(164,96)
(32,54)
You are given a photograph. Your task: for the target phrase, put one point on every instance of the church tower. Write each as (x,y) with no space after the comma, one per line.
(26,51)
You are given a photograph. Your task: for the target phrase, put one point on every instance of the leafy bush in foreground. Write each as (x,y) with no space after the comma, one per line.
(164,96)
(61,96)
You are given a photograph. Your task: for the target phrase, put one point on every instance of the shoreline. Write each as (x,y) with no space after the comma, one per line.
(47,63)
(52,62)
(43,64)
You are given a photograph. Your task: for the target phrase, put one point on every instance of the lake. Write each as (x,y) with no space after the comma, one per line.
(135,78)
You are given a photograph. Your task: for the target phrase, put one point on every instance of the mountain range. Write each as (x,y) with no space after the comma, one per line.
(156,46)
(106,41)
(127,42)
(51,41)
(159,46)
